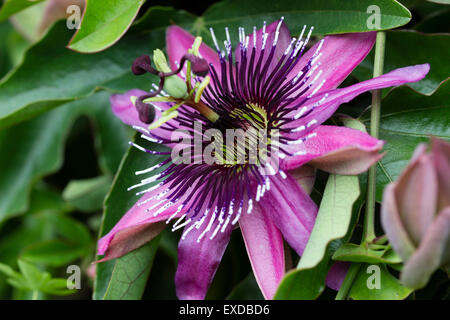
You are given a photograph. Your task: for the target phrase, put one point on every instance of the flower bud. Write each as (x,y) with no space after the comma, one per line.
(416,214)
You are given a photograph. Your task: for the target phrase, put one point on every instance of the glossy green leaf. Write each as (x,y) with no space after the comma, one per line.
(11,7)
(327,16)
(360,253)
(303,284)
(104,24)
(408,118)
(33,149)
(440,1)
(117,202)
(130,273)
(88,194)
(405,48)
(390,287)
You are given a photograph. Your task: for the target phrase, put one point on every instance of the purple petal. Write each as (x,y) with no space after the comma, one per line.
(123,108)
(179,41)
(340,55)
(416,196)
(305,177)
(134,223)
(265,249)
(338,150)
(198,261)
(291,209)
(336,275)
(393,226)
(432,253)
(284,38)
(441,157)
(331,100)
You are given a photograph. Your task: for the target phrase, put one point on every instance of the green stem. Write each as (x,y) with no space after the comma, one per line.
(35,295)
(369,228)
(348,281)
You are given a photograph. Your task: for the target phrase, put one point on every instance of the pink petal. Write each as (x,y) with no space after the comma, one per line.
(135,222)
(124,109)
(291,210)
(393,225)
(432,253)
(337,150)
(305,177)
(336,274)
(331,100)
(340,55)
(284,38)
(179,41)
(441,157)
(198,261)
(416,196)
(265,249)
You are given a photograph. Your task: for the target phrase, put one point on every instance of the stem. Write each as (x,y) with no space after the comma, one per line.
(348,281)
(35,295)
(369,227)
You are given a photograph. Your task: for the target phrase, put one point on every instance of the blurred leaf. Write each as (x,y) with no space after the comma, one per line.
(390,287)
(359,253)
(52,75)
(31,278)
(87,195)
(327,16)
(117,202)
(33,149)
(405,48)
(103,25)
(11,7)
(71,241)
(440,1)
(408,118)
(27,21)
(247,289)
(435,22)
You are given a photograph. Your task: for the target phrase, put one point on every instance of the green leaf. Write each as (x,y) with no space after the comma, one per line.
(130,273)
(70,240)
(407,119)
(359,253)
(11,7)
(103,25)
(32,279)
(33,149)
(303,284)
(117,203)
(87,195)
(52,75)
(390,287)
(405,48)
(333,218)
(247,289)
(440,1)
(327,16)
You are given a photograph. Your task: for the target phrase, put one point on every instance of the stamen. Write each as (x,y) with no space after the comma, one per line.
(216,44)
(277,32)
